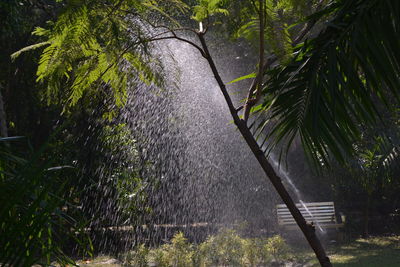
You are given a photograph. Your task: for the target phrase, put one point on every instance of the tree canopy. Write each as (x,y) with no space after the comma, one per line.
(338,80)
(326,73)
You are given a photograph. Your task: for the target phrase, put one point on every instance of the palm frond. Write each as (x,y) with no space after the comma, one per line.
(336,80)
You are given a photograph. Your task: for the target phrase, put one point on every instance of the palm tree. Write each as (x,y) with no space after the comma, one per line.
(332,86)
(338,80)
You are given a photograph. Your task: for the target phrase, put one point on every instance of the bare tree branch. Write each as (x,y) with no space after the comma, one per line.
(174,36)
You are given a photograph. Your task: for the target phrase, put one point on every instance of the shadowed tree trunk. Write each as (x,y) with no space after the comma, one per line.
(366,215)
(3,121)
(307,229)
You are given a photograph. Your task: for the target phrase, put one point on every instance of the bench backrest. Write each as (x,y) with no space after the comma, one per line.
(320,213)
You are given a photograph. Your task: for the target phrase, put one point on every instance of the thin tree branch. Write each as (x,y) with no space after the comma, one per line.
(254,93)
(174,35)
(257,87)
(170,29)
(180,39)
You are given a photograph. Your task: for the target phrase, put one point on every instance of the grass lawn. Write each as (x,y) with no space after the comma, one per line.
(374,251)
(371,252)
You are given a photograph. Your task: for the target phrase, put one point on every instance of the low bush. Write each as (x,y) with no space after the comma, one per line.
(224,249)
(137,257)
(227,248)
(277,248)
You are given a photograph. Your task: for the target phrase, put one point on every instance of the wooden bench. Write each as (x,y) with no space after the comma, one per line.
(321,214)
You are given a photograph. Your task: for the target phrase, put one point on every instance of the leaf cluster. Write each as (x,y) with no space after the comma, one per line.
(38,216)
(333,84)
(278,16)
(206,8)
(96,44)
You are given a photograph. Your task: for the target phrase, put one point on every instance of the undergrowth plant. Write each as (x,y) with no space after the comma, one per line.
(38,220)
(277,248)
(137,257)
(227,248)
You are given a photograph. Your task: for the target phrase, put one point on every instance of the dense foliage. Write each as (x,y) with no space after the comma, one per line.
(335,89)
(337,82)
(39,211)
(42,205)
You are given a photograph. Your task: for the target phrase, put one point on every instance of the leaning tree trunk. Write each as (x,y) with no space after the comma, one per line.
(307,229)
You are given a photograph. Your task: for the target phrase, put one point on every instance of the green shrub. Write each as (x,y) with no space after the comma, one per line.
(179,253)
(226,248)
(158,257)
(253,252)
(277,248)
(138,257)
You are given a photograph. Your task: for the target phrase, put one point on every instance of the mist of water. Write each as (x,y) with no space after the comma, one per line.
(298,196)
(206,172)
(199,171)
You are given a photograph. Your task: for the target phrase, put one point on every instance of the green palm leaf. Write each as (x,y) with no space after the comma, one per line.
(338,80)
